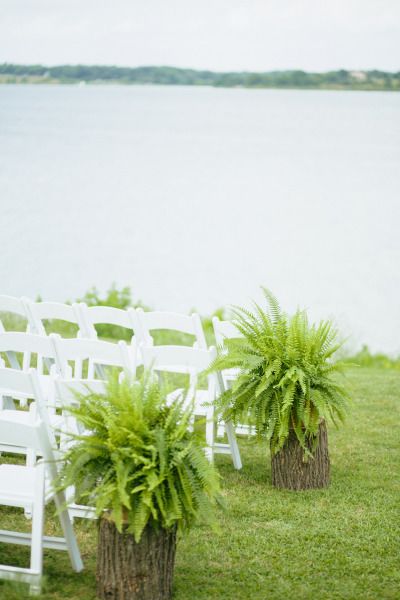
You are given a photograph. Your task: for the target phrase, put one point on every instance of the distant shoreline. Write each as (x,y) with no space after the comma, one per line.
(104,75)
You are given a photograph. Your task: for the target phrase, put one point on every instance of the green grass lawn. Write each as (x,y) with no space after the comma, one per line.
(340,543)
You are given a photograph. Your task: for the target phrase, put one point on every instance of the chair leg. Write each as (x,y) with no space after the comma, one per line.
(230,432)
(72,545)
(31,456)
(210,436)
(37,528)
(35,589)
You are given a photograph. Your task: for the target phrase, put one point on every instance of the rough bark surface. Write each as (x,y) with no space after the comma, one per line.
(290,471)
(127,570)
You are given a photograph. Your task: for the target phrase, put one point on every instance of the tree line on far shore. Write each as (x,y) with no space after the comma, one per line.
(341,79)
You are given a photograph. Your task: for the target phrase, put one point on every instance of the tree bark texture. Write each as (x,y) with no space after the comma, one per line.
(127,570)
(292,471)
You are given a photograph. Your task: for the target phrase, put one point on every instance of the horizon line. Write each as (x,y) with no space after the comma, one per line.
(197,69)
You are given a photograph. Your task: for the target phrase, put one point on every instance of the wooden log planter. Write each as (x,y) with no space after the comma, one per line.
(292,471)
(127,570)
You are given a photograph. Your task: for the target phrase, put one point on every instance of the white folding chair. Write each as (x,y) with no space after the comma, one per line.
(192,362)
(97,353)
(38,312)
(160,320)
(26,487)
(15,307)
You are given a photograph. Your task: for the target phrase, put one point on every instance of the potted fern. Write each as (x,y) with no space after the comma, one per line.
(288,386)
(147,476)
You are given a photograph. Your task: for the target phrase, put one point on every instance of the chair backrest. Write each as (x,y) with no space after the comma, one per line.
(223,330)
(38,312)
(29,343)
(177,359)
(160,320)
(96,352)
(16,306)
(106,315)
(15,383)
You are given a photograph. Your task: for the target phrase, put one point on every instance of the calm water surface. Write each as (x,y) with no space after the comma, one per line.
(196,196)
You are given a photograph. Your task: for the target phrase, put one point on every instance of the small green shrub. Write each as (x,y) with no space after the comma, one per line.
(113,297)
(364,358)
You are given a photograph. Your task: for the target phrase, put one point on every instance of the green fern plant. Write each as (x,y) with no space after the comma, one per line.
(287,376)
(137,461)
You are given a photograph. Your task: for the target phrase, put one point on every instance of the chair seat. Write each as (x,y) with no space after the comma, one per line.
(17,484)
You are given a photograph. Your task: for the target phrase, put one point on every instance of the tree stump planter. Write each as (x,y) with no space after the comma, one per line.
(127,570)
(292,472)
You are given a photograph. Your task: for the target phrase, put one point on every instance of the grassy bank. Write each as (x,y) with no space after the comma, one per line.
(341,543)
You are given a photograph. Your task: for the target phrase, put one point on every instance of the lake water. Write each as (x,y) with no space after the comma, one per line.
(196,196)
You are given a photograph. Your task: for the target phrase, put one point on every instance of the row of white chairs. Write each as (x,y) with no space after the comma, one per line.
(59,374)
(85,318)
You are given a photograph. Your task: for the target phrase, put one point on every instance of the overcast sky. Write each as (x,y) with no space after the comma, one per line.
(258,35)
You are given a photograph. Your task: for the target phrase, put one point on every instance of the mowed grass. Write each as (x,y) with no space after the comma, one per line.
(339,543)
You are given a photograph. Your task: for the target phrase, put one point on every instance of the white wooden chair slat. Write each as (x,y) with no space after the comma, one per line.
(95,315)
(163,320)
(18,341)
(40,311)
